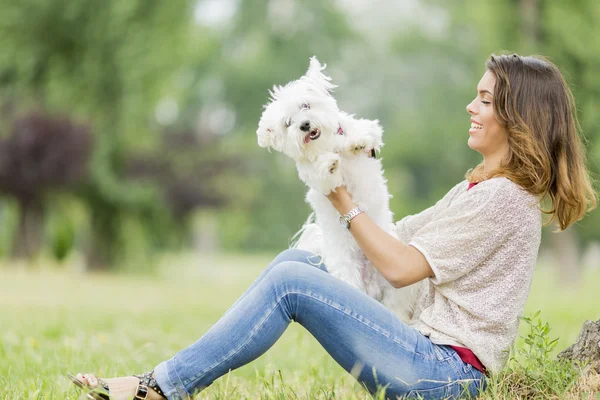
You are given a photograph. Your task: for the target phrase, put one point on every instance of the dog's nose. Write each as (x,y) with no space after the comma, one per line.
(305,127)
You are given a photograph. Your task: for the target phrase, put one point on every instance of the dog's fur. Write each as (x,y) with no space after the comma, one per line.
(332,149)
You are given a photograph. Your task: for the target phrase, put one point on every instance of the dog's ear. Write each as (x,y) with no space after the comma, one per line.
(265,136)
(315,76)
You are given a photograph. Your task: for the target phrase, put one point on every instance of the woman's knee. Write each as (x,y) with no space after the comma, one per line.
(301,256)
(288,273)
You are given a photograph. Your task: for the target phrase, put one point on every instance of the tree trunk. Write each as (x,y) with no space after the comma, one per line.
(102,240)
(587,346)
(97,253)
(28,240)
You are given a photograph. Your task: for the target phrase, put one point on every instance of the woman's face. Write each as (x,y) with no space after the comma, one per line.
(487,135)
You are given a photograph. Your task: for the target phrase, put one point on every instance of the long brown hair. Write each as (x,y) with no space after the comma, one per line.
(546,155)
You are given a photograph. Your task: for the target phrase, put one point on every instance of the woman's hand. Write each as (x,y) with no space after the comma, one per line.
(400,264)
(341,200)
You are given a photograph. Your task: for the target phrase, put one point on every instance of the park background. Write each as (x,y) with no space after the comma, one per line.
(130,171)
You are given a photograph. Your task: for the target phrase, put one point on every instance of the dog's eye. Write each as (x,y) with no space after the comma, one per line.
(305,106)
(288,122)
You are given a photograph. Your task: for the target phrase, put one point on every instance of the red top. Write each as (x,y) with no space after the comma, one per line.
(470,358)
(465,354)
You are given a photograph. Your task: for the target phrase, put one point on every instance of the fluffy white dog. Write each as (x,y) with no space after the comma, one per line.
(331,148)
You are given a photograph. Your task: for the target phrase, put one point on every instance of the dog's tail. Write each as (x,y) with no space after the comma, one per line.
(298,235)
(309,237)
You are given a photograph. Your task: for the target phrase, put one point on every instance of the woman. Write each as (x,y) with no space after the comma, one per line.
(476,250)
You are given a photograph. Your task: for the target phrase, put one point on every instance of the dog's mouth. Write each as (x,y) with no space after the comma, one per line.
(312,135)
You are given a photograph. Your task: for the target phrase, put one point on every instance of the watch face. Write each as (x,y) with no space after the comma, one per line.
(343,222)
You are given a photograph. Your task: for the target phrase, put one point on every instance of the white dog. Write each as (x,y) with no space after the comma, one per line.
(331,148)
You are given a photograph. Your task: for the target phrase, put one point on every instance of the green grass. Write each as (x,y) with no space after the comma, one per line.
(53,321)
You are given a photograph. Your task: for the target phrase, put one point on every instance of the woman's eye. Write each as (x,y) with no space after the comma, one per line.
(485,102)
(305,106)
(288,122)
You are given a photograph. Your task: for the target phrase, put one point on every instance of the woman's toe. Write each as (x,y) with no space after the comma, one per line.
(88,380)
(92,381)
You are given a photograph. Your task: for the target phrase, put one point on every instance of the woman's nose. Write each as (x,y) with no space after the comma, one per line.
(471,108)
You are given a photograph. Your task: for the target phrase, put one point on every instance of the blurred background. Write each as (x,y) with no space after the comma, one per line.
(127,127)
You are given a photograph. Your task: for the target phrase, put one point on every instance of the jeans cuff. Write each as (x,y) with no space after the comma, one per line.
(169,382)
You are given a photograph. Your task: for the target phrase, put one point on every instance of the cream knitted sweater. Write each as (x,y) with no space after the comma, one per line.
(482,246)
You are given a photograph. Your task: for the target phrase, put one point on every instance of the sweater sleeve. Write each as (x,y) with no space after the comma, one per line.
(409,225)
(463,234)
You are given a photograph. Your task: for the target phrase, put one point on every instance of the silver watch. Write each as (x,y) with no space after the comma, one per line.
(346,218)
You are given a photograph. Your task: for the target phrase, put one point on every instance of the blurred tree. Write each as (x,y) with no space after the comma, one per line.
(567,30)
(189,169)
(106,62)
(42,154)
(172,92)
(266,43)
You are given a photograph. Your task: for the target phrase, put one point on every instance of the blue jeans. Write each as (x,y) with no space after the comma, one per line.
(362,335)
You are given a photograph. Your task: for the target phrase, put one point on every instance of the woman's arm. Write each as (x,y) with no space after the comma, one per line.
(400,264)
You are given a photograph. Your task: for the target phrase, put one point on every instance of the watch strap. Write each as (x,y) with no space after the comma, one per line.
(349,216)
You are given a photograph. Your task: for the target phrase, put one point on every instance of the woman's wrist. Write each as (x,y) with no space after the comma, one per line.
(345,207)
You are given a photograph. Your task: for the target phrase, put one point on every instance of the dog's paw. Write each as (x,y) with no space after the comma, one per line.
(335,178)
(361,145)
(333,166)
(366,137)
(329,163)
(324,174)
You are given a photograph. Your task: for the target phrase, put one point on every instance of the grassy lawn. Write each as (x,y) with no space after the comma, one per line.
(54,321)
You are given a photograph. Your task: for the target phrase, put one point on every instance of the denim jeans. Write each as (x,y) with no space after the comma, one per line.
(362,335)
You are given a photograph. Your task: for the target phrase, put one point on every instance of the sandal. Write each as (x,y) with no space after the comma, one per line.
(102,393)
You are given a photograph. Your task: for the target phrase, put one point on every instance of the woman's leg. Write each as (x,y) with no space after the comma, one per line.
(363,336)
(286,255)
(124,387)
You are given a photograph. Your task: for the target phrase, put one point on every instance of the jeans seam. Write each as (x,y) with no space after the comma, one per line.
(179,385)
(364,321)
(443,356)
(232,354)
(454,361)
(464,380)
(329,303)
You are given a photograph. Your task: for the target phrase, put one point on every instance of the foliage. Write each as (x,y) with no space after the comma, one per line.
(42,154)
(566,39)
(61,232)
(541,373)
(533,372)
(142,74)
(104,64)
(267,43)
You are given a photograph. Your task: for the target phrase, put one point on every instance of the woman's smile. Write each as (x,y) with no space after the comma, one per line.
(475,126)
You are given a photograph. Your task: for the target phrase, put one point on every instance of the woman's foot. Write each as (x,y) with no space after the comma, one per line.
(122,388)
